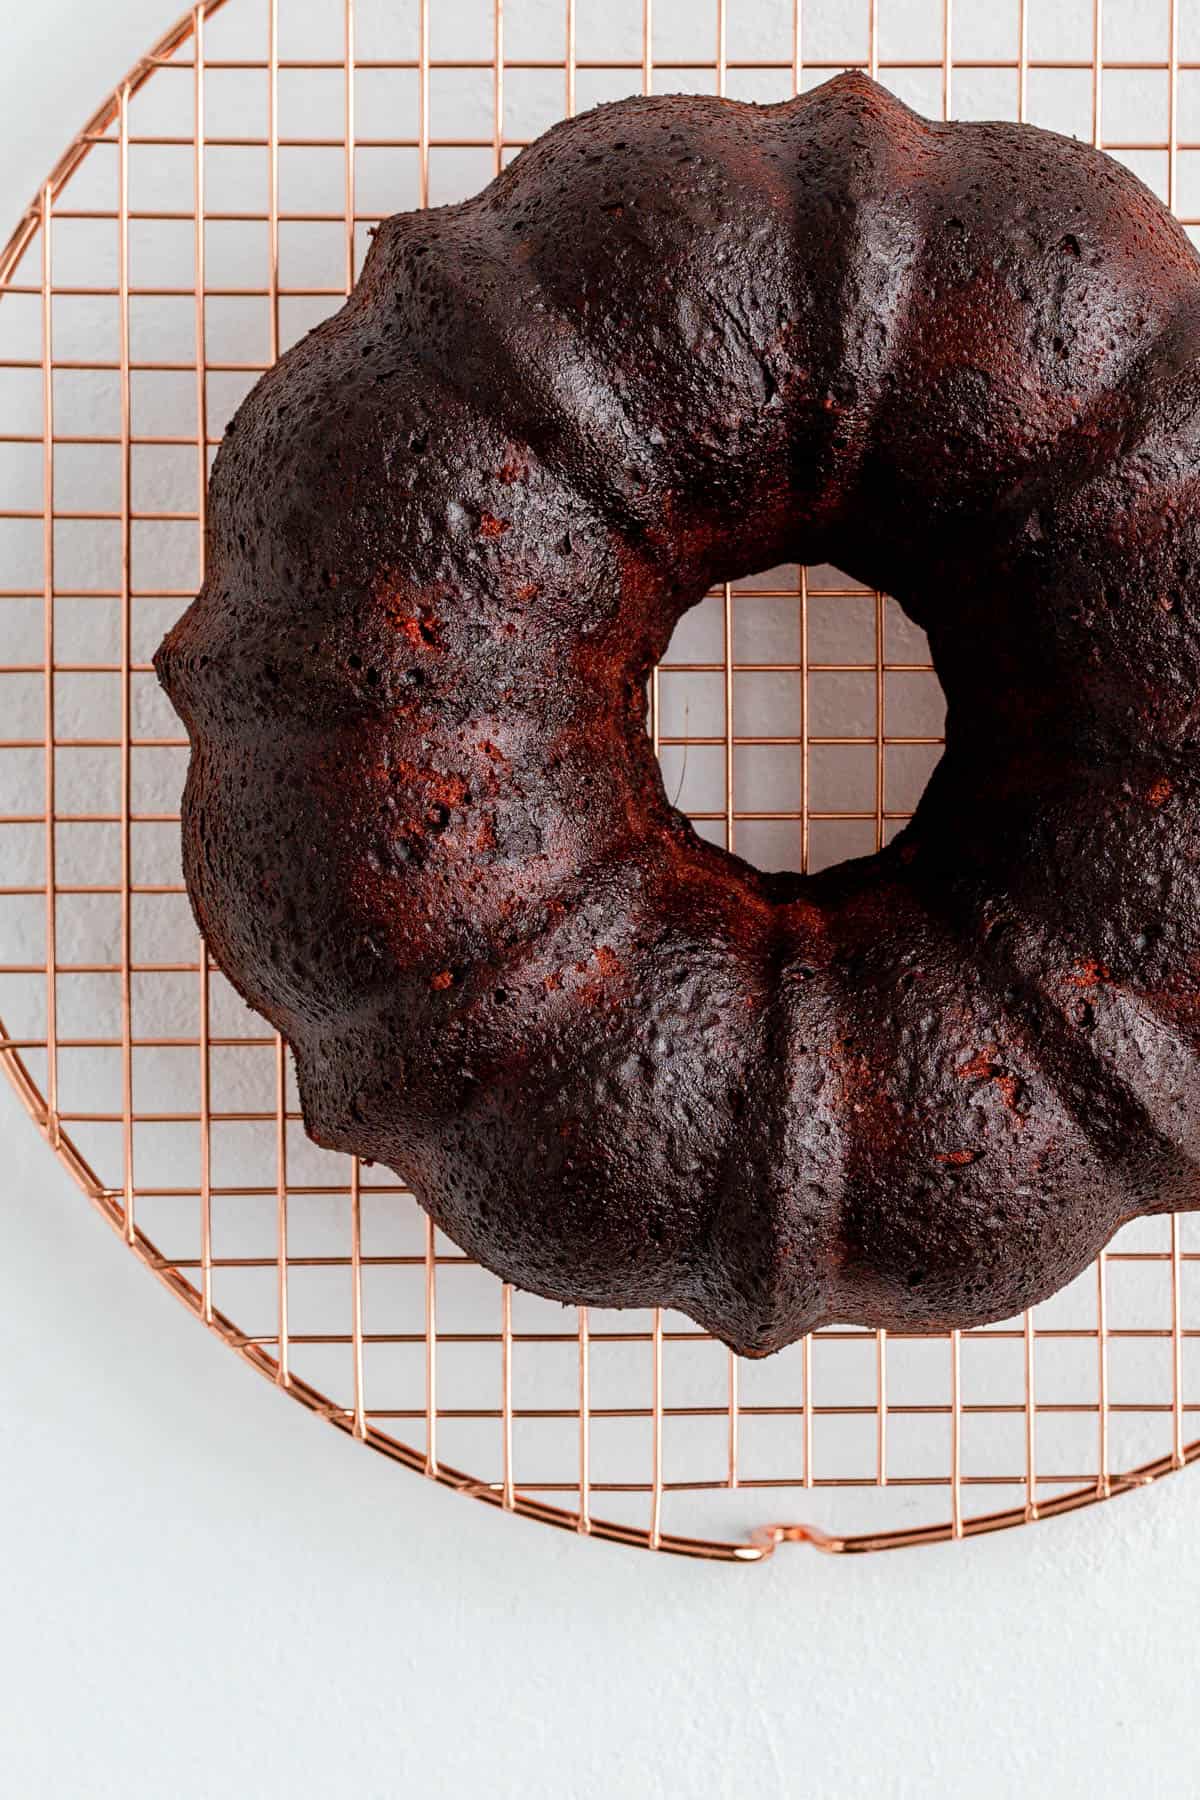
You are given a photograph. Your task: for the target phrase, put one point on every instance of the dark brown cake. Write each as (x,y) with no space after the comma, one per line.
(682,339)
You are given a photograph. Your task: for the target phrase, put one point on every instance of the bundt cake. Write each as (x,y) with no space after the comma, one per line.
(681,339)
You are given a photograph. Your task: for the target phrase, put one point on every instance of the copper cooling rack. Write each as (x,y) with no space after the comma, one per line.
(214,208)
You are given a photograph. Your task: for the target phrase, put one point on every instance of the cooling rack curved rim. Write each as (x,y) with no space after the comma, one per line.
(763,1540)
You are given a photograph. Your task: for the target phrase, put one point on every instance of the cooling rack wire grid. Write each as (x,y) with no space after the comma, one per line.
(215,208)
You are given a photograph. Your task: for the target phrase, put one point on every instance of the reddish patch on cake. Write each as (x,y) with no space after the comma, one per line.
(1012,1090)
(1159,793)
(604,965)
(492,527)
(421,631)
(444,979)
(984,1067)
(958,1158)
(432,798)
(1089,974)
(445,790)
(512,468)
(492,752)
(528,590)
(981,1067)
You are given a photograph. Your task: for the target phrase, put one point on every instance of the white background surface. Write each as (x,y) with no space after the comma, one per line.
(228,1598)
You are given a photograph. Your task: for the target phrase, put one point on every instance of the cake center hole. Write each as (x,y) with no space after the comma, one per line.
(800,720)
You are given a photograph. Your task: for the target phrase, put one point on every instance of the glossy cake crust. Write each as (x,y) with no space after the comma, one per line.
(679,340)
